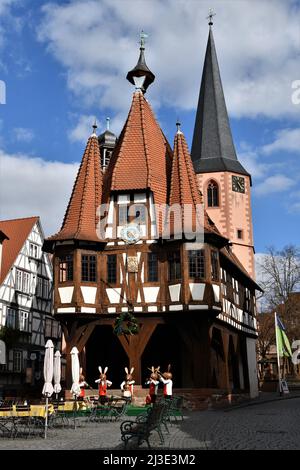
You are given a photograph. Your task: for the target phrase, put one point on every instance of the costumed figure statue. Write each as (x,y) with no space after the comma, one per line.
(83,385)
(153,383)
(127,384)
(103,384)
(166,379)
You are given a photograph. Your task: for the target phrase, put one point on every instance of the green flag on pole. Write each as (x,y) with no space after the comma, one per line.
(283,344)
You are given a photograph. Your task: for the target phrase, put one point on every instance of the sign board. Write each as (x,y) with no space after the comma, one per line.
(284,386)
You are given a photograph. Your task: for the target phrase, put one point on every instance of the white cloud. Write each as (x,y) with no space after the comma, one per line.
(274,184)
(83,129)
(33,186)
(250,161)
(294,207)
(97,44)
(22,134)
(286,139)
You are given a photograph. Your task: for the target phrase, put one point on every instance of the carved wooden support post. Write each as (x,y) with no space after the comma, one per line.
(134,347)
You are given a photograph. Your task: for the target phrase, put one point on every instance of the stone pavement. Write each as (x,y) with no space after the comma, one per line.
(272,425)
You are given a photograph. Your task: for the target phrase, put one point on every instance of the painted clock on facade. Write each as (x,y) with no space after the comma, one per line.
(131,233)
(238,184)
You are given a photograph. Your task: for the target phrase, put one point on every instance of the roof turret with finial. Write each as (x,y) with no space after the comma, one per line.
(141,76)
(107,138)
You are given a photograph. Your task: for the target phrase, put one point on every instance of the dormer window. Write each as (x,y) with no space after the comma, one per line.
(140,213)
(123,214)
(213,194)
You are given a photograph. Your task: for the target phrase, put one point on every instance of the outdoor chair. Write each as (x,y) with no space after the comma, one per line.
(139,431)
(60,417)
(25,424)
(7,422)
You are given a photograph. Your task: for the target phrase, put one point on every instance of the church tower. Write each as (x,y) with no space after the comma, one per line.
(224,182)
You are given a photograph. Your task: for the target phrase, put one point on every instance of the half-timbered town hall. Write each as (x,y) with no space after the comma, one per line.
(155,235)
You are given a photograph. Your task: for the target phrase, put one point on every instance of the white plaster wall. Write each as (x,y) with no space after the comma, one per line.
(252,366)
(114,295)
(66,294)
(66,310)
(89,294)
(175,292)
(216,290)
(88,309)
(151,294)
(197,291)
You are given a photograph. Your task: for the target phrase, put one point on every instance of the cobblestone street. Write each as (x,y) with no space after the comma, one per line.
(273,425)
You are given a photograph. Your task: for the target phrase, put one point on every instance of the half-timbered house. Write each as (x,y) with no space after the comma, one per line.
(136,240)
(26,321)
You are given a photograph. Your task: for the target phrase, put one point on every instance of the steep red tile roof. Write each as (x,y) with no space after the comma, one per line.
(142,158)
(80,220)
(184,189)
(17,231)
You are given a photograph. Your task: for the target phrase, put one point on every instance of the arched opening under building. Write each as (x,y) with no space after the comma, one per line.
(104,349)
(163,348)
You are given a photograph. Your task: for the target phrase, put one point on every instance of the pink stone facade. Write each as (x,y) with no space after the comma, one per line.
(232,215)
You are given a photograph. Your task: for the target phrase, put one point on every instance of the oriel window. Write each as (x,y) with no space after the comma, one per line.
(66,268)
(88,268)
(196,259)
(152,267)
(174,266)
(214,266)
(212,194)
(112,269)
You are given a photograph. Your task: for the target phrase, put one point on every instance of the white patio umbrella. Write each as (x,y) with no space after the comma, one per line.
(57,372)
(75,371)
(48,377)
(75,377)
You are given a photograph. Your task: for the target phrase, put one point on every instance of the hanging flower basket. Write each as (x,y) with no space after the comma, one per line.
(126,324)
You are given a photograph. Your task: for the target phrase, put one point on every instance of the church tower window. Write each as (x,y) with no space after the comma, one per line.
(212,194)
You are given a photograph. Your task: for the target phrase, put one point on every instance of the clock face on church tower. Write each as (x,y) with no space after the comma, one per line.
(238,184)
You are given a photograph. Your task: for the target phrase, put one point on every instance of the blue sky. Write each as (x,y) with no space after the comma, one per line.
(65,62)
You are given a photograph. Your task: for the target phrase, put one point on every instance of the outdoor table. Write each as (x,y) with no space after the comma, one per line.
(38,411)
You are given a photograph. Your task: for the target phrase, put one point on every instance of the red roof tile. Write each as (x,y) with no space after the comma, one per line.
(17,231)
(80,220)
(142,158)
(184,189)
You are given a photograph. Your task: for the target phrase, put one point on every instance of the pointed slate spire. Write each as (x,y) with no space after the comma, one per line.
(213,148)
(80,221)
(141,76)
